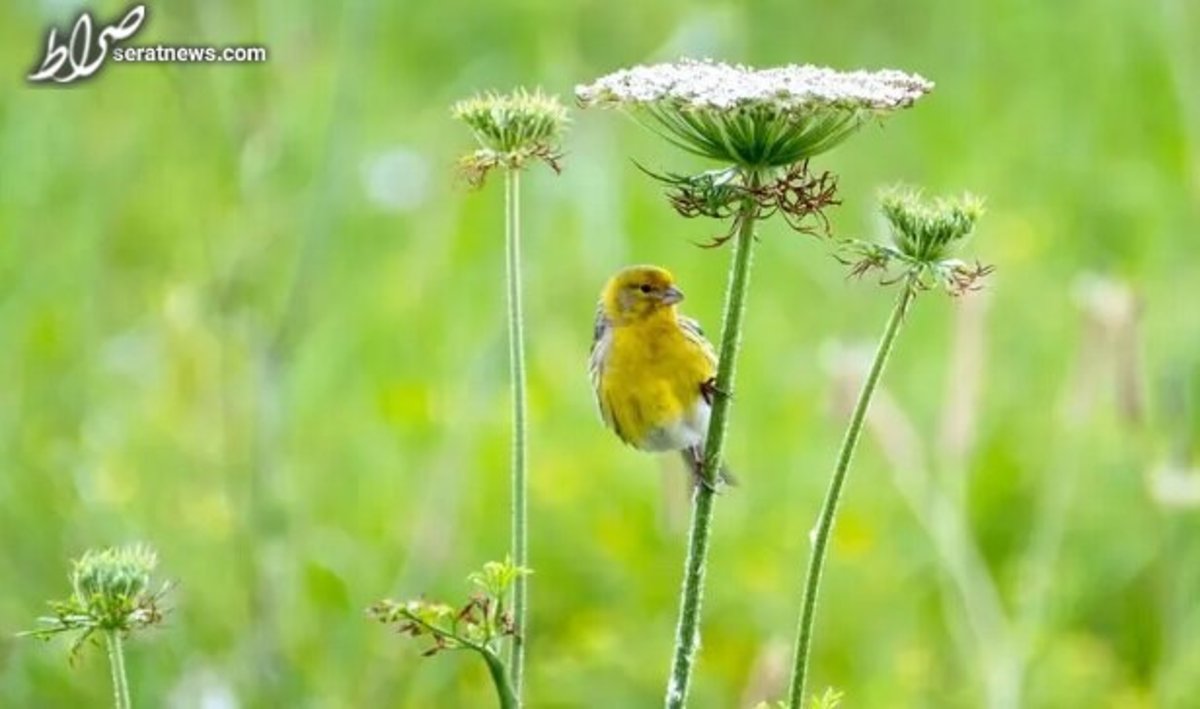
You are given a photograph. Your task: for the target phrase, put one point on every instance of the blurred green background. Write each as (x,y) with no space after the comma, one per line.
(248,315)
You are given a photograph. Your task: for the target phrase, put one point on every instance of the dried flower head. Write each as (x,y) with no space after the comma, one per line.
(799,195)
(511,129)
(112,591)
(754,118)
(924,236)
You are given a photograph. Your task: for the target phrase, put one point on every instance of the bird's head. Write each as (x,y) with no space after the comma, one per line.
(639,292)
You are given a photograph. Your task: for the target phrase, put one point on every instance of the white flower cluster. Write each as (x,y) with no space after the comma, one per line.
(710,85)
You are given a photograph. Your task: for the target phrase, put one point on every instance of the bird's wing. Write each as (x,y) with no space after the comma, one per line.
(691,328)
(602,335)
(601,340)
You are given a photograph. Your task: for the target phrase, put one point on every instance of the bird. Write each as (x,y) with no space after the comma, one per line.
(652,369)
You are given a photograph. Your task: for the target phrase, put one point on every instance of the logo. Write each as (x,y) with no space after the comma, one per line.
(85,51)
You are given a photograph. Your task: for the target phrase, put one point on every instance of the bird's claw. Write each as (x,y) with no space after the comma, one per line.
(709,390)
(695,461)
(698,481)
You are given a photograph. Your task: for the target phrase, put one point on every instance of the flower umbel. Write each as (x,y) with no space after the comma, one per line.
(754,118)
(924,236)
(512,129)
(113,592)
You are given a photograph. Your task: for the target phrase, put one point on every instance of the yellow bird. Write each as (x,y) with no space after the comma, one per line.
(652,369)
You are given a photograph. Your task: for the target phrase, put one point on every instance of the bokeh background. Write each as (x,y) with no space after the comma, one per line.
(248,315)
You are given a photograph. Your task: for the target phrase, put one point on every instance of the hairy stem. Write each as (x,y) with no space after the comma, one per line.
(820,535)
(516,336)
(505,691)
(687,632)
(116,663)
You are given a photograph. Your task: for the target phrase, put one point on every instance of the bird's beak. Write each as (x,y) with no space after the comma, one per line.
(672,295)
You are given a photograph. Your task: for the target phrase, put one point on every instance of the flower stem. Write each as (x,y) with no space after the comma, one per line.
(687,632)
(505,692)
(516,333)
(820,535)
(116,662)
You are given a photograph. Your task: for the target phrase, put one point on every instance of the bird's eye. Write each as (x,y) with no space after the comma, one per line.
(645,288)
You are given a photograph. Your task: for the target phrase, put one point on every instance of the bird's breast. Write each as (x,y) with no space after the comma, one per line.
(650,389)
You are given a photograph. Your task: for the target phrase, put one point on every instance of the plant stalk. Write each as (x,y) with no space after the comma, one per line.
(516,344)
(687,634)
(116,663)
(505,691)
(820,535)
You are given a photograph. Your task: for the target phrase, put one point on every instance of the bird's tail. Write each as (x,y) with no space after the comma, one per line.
(693,458)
